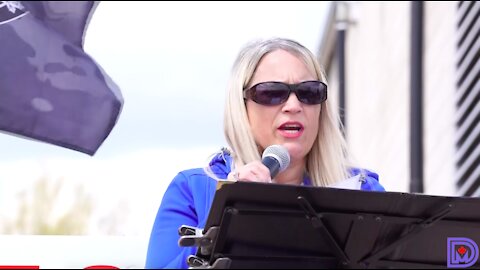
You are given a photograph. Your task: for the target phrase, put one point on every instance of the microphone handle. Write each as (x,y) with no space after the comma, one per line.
(272,164)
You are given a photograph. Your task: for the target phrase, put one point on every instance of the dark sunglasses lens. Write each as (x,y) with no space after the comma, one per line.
(312,92)
(270,93)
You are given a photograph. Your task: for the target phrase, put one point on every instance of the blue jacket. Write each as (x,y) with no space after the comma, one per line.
(187,201)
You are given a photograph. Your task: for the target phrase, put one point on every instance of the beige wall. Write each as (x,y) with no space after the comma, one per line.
(378,92)
(332,82)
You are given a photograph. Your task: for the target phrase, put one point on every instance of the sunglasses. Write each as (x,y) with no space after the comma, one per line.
(275,93)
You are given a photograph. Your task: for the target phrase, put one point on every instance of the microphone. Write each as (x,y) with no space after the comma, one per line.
(276,158)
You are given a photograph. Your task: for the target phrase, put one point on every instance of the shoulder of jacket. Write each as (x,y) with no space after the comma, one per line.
(364,173)
(369,179)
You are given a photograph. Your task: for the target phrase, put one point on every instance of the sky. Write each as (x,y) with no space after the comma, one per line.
(171,61)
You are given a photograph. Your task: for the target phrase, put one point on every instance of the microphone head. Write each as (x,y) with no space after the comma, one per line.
(278,152)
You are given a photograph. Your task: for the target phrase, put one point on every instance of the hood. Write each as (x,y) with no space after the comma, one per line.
(221,163)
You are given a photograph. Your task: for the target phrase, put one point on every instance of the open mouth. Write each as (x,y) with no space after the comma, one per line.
(291,128)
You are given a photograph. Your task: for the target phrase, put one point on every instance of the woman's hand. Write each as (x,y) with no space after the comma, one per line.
(254,171)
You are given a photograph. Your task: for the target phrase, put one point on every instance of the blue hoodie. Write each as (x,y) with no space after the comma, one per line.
(187,201)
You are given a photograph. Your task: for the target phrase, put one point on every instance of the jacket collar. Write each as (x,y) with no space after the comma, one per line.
(221,165)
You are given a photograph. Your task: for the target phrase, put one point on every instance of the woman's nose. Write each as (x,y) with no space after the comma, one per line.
(292,104)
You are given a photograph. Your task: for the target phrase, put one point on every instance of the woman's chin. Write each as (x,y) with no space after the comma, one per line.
(296,151)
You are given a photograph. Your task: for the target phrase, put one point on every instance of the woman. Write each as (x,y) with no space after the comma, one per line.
(276,96)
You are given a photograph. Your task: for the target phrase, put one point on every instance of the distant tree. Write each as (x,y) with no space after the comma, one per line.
(36,211)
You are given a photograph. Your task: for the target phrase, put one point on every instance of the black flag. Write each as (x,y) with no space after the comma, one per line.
(50,89)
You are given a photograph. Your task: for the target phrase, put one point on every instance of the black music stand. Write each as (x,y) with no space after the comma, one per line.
(256,225)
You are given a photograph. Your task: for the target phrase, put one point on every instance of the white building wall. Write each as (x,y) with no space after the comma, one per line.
(377,55)
(378,92)
(439,97)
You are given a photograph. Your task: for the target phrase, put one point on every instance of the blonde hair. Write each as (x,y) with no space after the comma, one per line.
(327,160)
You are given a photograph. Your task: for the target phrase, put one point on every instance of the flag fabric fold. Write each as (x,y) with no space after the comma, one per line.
(50,89)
